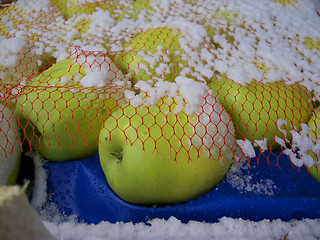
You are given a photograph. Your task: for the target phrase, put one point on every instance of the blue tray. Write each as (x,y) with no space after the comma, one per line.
(272,189)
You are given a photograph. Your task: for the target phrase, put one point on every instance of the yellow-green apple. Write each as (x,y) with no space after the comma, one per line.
(132,11)
(314,123)
(63,109)
(158,154)
(286,2)
(71,8)
(26,19)
(153,54)
(117,9)
(255,108)
(10,148)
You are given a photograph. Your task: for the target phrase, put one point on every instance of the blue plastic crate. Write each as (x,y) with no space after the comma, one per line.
(272,189)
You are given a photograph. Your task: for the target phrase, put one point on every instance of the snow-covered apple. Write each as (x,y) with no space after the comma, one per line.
(153,54)
(162,153)
(18,60)
(10,148)
(63,109)
(132,11)
(255,108)
(70,8)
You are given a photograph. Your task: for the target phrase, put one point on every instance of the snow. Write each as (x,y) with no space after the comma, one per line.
(257,40)
(247,148)
(173,229)
(100,72)
(16,53)
(9,50)
(68,228)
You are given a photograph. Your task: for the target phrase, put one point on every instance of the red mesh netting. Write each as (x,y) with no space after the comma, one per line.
(216,86)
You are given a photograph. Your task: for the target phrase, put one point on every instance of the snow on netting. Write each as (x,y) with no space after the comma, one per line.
(217,79)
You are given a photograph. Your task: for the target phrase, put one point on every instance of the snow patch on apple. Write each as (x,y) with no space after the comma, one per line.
(18,59)
(31,6)
(100,72)
(10,49)
(193,49)
(212,126)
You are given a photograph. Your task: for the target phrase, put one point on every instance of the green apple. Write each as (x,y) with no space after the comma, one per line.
(315,171)
(314,123)
(117,9)
(62,6)
(286,2)
(70,8)
(62,110)
(155,155)
(10,148)
(155,53)
(20,18)
(133,11)
(20,56)
(256,107)
(312,43)
(85,14)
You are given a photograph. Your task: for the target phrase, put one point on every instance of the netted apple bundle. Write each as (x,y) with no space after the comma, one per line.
(195,86)
(62,110)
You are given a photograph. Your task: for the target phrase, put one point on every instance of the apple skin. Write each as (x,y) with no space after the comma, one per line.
(133,11)
(129,60)
(69,8)
(10,148)
(146,156)
(256,107)
(313,122)
(62,122)
(315,173)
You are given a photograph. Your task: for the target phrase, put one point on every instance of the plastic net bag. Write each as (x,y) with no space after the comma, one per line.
(201,83)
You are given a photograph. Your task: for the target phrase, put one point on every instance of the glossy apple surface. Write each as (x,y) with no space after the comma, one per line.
(151,155)
(61,115)
(256,107)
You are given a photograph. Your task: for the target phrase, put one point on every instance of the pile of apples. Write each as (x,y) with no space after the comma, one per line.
(158,153)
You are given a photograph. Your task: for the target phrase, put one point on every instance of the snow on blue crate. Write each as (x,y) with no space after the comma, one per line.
(253,192)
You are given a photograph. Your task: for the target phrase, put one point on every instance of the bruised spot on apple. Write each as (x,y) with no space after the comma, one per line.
(152,155)
(60,117)
(256,107)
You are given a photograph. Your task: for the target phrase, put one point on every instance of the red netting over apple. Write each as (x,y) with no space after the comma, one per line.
(181,81)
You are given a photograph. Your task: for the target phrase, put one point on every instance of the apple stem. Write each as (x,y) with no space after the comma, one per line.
(118,155)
